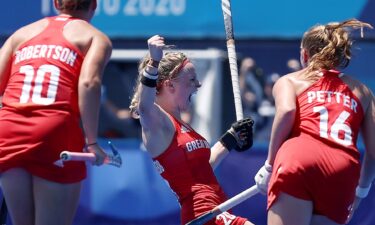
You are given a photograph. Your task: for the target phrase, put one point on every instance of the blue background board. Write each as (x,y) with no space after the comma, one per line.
(198,19)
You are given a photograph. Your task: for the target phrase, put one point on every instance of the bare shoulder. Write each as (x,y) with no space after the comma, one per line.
(361,90)
(299,81)
(283,86)
(85,36)
(287,80)
(102,37)
(101,43)
(292,77)
(356,85)
(27,32)
(36,26)
(86,28)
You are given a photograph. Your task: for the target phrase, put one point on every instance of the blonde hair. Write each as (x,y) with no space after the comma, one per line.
(169,68)
(329,46)
(73,5)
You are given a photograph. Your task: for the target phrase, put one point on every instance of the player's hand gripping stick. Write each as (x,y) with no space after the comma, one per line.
(113,158)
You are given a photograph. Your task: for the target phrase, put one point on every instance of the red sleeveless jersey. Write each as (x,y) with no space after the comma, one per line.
(45,71)
(320,161)
(329,111)
(185,166)
(40,114)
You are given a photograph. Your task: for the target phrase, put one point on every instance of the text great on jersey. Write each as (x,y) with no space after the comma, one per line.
(197,144)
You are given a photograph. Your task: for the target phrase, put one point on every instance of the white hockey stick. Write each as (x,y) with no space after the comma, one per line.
(225,206)
(113,159)
(227,13)
(239,198)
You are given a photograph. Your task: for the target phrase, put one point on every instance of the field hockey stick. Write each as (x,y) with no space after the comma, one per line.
(227,13)
(3,212)
(239,198)
(225,206)
(113,159)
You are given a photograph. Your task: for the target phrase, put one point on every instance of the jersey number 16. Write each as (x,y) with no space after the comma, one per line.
(337,126)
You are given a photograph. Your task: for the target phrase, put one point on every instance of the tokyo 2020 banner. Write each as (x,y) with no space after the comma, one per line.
(199,18)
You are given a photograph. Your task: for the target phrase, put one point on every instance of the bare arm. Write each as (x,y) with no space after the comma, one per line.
(285,102)
(238,137)
(218,153)
(89,86)
(368,164)
(157,128)
(150,114)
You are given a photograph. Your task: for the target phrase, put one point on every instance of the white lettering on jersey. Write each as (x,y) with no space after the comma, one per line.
(57,52)
(196,144)
(226,217)
(330,96)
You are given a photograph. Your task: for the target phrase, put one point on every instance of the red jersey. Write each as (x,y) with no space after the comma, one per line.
(329,111)
(40,114)
(321,156)
(185,167)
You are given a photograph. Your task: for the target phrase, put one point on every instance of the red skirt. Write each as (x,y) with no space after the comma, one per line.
(34,140)
(311,170)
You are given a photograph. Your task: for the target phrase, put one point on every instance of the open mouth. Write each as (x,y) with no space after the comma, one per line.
(192,97)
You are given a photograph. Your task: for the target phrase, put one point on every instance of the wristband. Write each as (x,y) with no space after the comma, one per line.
(150,76)
(149,80)
(228,140)
(361,192)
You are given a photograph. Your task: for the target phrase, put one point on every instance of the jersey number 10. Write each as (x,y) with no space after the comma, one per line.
(36,91)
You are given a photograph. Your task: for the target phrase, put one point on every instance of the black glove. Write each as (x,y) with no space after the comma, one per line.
(239,136)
